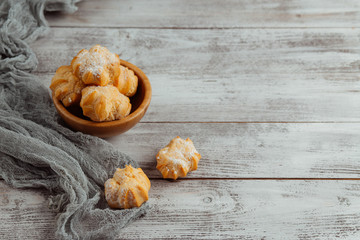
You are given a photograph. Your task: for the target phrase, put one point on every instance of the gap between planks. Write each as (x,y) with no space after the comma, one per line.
(259,179)
(250,179)
(245,122)
(198,28)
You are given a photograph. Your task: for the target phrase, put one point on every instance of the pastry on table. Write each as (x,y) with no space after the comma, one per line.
(178,158)
(127,82)
(128,188)
(66,86)
(98,66)
(104,103)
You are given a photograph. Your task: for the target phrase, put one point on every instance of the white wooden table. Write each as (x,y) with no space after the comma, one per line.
(269,92)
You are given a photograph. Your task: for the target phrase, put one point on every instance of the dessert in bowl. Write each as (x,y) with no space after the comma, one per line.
(100,96)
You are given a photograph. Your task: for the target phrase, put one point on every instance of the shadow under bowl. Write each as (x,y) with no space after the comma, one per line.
(140,102)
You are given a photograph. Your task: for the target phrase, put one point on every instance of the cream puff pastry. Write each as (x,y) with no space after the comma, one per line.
(178,158)
(104,103)
(98,66)
(66,86)
(128,188)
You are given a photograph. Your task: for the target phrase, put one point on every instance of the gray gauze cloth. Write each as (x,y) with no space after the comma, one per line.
(36,150)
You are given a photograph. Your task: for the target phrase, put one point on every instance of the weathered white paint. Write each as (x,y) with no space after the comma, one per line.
(253,150)
(212,13)
(259,70)
(230,75)
(208,209)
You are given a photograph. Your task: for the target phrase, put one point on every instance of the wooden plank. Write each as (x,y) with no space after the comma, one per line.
(208,209)
(260,150)
(247,75)
(234,150)
(211,13)
(24,214)
(252,150)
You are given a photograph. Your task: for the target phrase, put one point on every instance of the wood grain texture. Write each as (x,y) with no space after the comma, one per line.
(24,214)
(260,150)
(205,209)
(252,150)
(211,14)
(232,75)
(220,70)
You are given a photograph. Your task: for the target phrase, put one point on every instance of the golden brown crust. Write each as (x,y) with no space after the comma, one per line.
(66,86)
(128,188)
(178,158)
(127,82)
(104,103)
(98,66)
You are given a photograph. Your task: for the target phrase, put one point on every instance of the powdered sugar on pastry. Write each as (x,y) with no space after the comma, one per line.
(93,62)
(98,66)
(128,188)
(178,158)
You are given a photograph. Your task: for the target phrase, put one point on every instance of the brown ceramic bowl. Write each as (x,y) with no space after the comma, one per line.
(74,118)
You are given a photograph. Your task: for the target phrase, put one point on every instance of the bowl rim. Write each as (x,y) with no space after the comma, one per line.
(142,107)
